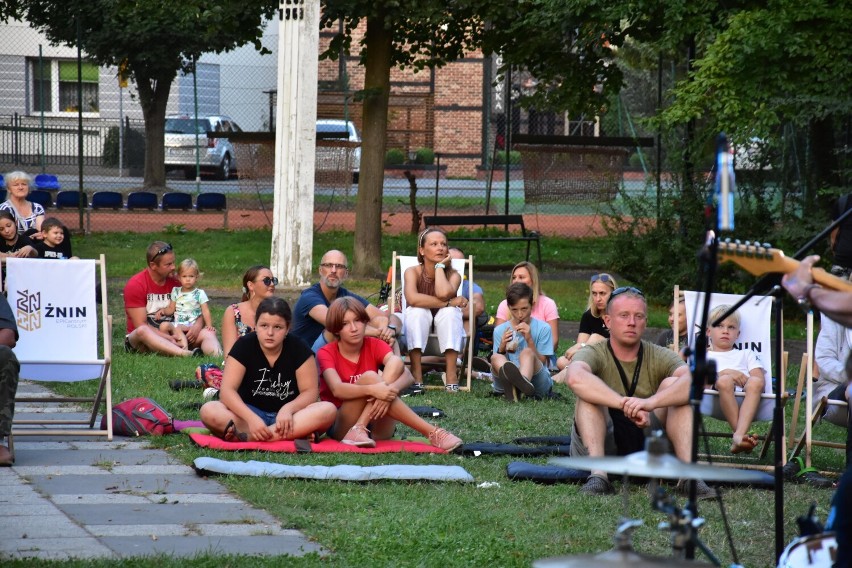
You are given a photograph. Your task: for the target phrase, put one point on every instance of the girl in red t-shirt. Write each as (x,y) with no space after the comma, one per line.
(367,399)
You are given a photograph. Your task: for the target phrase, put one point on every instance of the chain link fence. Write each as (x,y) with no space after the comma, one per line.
(458,142)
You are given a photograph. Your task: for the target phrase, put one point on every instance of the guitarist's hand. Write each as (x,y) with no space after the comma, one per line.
(796,281)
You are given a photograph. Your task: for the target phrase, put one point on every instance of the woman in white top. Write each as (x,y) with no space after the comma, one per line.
(29,215)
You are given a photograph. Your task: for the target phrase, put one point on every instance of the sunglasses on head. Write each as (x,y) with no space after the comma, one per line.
(269,281)
(601,277)
(622,290)
(162,251)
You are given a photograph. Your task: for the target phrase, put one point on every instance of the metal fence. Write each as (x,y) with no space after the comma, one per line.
(452,142)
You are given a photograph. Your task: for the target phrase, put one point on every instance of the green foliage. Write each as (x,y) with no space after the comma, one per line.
(394,157)
(133,139)
(425,156)
(514,158)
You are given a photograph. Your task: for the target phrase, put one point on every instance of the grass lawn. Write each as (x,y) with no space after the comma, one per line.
(492,522)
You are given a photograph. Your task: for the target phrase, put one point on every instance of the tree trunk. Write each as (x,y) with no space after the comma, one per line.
(368,210)
(825,172)
(153,97)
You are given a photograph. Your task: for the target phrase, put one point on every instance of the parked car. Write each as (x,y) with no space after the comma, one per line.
(214,154)
(346,130)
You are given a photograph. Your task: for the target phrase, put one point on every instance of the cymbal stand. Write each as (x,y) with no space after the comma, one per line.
(682,525)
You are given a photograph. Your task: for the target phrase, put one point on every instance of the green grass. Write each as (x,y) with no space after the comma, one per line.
(417,523)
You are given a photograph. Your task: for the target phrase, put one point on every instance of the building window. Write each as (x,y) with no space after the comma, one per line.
(54,86)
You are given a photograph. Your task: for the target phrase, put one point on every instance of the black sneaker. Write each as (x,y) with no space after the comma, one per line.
(796,472)
(413,390)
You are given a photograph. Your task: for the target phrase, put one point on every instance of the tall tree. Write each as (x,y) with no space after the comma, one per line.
(399,33)
(157,39)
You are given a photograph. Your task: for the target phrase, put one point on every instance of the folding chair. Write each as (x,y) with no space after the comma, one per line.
(56,311)
(755,333)
(465,268)
(816,402)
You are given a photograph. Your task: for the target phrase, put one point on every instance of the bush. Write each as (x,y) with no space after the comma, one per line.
(134,147)
(425,156)
(394,157)
(514,158)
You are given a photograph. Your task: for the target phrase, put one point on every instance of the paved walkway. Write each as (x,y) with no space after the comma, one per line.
(79,497)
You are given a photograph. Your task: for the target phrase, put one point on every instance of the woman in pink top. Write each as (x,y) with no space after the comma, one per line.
(543,308)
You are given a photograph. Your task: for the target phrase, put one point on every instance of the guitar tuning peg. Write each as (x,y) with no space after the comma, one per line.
(747,243)
(767,246)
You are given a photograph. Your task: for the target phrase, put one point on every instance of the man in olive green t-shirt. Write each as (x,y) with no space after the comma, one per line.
(619,383)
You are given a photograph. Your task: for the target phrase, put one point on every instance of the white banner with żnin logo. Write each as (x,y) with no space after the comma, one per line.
(53,302)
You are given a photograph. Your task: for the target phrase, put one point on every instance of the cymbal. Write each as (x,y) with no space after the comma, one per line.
(616,559)
(662,466)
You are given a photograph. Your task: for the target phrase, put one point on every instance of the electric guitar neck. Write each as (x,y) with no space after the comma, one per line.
(758,259)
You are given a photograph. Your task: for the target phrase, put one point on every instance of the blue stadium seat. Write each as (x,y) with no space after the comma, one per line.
(41,196)
(70,199)
(2,194)
(211,200)
(142,200)
(177,200)
(107,200)
(2,184)
(47,182)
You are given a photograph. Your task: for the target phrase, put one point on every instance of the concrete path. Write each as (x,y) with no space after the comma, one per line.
(79,497)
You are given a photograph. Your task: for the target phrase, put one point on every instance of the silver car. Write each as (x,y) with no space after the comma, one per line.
(343,130)
(214,154)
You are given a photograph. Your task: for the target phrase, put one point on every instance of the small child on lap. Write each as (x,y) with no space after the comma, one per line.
(188,303)
(736,369)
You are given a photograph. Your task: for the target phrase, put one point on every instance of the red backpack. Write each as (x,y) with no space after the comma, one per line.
(138,417)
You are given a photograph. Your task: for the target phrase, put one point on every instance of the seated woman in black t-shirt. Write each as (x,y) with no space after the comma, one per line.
(11,243)
(270,384)
(592,327)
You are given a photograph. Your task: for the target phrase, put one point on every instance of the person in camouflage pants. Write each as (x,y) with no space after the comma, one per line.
(9,369)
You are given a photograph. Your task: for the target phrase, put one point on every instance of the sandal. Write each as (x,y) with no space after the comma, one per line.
(231,434)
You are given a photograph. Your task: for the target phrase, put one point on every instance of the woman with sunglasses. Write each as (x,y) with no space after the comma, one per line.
(543,307)
(362,377)
(238,320)
(592,327)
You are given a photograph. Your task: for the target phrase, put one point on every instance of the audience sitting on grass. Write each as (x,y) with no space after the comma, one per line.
(543,308)
(363,378)
(592,326)
(238,319)
(624,385)
(666,337)
(431,294)
(522,346)
(312,306)
(145,294)
(188,304)
(269,385)
(736,370)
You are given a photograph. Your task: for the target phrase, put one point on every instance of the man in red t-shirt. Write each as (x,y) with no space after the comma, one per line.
(149,291)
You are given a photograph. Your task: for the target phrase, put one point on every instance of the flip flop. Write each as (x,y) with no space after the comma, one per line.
(231,434)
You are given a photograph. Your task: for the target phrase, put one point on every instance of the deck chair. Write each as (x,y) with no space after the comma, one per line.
(755,322)
(815,403)
(465,268)
(58,325)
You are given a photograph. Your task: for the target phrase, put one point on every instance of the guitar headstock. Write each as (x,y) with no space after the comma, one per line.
(757,258)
